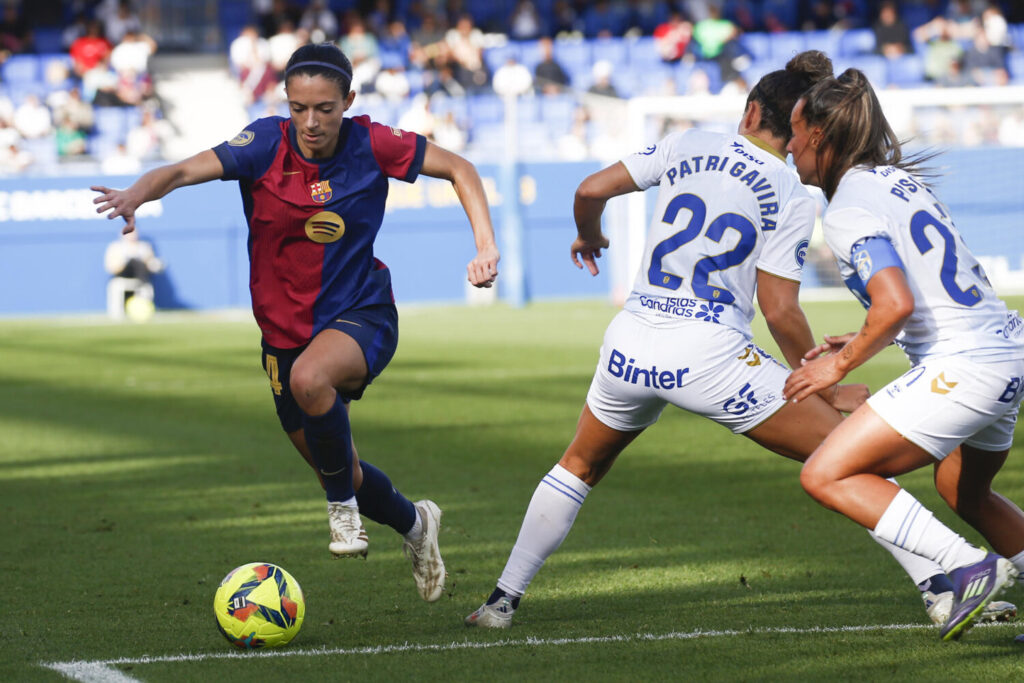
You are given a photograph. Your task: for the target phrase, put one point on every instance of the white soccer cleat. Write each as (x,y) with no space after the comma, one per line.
(939,606)
(427,565)
(496,615)
(348,537)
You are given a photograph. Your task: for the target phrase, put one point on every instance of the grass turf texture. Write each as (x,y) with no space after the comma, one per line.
(140,463)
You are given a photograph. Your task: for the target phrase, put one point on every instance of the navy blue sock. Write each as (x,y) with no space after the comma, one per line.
(329,437)
(937,584)
(380,501)
(498,594)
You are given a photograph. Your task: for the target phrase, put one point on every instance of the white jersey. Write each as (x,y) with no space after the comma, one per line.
(727,206)
(956,311)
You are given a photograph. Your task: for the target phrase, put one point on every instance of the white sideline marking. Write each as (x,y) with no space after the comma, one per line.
(103,671)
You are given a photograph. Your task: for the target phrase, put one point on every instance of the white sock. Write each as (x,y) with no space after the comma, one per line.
(548,520)
(1018,562)
(416,532)
(908,524)
(918,568)
(349,503)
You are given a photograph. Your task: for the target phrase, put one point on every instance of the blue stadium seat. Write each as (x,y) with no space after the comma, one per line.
(650,80)
(529,54)
(556,111)
(573,55)
(875,67)
(615,50)
(914,15)
(21,69)
(785,45)
(48,39)
(757,44)
(642,52)
(906,71)
(496,57)
(826,41)
(786,12)
(486,109)
(1016,66)
(111,122)
(859,41)
(757,70)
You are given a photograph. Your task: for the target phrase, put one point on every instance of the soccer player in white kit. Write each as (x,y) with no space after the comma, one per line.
(730,218)
(900,252)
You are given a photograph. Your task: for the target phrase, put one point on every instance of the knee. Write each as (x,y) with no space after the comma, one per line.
(815,481)
(307,384)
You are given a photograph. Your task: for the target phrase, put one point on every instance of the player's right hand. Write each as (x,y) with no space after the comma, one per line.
(587,252)
(119,203)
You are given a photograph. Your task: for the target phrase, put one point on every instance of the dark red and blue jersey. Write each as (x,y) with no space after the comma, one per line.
(312,222)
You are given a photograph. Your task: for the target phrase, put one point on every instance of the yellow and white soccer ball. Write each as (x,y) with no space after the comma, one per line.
(139,309)
(259,605)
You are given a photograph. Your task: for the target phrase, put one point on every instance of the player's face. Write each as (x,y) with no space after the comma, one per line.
(316,105)
(803,147)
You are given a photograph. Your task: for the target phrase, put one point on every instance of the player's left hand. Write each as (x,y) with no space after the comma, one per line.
(483,270)
(812,377)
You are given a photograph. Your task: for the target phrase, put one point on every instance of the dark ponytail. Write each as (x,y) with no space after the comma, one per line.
(777,92)
(321,59)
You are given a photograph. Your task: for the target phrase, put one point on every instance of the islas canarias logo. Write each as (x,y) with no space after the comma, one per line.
(325,227)
(320,191)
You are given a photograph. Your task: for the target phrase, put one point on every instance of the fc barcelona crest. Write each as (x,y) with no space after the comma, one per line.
(320,191)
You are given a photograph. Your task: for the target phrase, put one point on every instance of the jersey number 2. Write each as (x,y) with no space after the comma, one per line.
(709,264)
(919,222)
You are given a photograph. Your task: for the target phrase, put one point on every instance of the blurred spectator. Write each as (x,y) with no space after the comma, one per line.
(602,83)
(99,85)
(427,43)
(13,159)
(395,41)
(392,83)
(892,37)
(466,44)
(821,16)
(525,22)
(70,139)
(15,32)
(131,263)
(698,83)
(984,64)
(1011,129)
(89,50)
(672,37)
(941,52)
(281,46)
(602,19)
(564,19)
(712,34)
(512,78)
(133,53)
(549,76)
(121,22)
(418,118)
(32,118)
(448,133)
(572,145)
(145,141)
(76,112)
(647,15)
(996,29)
(249,55)
(960,18)
(443,82)
(379,16)
(319,20)
(361,47)
(272,19)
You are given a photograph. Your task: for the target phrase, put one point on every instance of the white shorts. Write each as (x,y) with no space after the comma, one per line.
(944,402)
(705,368)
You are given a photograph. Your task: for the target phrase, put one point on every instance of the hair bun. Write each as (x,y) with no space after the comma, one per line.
(813,64)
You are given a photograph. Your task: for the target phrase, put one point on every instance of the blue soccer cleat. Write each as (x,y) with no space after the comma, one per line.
(975,586)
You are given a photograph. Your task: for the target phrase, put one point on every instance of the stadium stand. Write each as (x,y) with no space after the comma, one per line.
(766,34)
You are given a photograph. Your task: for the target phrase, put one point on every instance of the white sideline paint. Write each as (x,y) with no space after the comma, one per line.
(104,671)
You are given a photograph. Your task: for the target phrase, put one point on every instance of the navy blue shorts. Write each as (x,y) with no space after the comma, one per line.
(375,329)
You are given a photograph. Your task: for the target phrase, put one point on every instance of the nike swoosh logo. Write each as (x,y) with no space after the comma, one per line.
(331,474)
(339,320)
(290,172)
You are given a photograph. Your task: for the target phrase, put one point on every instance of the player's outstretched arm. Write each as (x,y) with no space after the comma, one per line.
(155,184)
(588,205)
(440,163)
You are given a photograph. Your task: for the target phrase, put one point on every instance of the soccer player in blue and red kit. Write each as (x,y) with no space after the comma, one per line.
(314,188)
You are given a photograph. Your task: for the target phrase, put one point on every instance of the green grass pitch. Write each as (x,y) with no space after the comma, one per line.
(140,463)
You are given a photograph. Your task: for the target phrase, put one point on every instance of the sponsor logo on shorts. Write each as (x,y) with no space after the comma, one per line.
(745,402)
(625,369)
(691,309)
